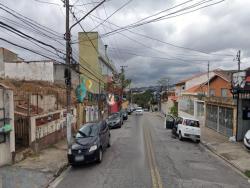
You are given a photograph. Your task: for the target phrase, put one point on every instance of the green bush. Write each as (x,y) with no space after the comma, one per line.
(174,110)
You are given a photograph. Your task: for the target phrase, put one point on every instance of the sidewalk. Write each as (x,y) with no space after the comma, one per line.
(232,152)
(36,171)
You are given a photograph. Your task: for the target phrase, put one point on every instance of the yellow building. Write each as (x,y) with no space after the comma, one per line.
(94,63)
(95,68)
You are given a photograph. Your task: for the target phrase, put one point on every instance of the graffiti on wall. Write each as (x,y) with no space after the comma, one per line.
(49,124)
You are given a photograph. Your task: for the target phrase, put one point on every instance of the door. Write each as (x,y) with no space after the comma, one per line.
(180,126)
(170,122)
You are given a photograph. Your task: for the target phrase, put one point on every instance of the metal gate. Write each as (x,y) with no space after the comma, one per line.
(21,132)
(212,117)
(220,119)
(226,121)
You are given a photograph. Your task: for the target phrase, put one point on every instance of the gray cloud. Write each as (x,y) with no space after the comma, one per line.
(221,29)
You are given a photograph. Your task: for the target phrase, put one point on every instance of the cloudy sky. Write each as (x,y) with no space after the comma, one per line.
(214,33)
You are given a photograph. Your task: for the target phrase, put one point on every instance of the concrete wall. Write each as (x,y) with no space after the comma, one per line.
(39,132)
(46,102)
(6,148)
(59,75)
(2,69)
(166,106)
(30,71)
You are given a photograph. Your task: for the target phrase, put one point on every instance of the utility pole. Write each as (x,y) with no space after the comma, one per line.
(67,74)
(238,98)
(208,79)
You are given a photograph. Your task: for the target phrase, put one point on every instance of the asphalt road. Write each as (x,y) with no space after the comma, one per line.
(144,154)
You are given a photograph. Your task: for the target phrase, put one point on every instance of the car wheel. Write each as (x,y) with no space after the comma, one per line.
(100,153)
(180,136)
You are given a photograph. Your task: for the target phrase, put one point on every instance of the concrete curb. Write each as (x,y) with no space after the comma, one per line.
(58,173)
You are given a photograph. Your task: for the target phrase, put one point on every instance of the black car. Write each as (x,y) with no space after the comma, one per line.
(130,111)
(124,114)
(90,142)
(115,120)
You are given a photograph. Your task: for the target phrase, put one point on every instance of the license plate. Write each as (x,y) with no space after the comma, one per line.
(79,158)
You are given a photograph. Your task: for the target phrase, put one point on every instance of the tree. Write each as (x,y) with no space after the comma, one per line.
(143,99)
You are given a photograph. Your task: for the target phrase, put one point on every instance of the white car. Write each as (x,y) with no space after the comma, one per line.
(139,111)
(188,128)
(247,140)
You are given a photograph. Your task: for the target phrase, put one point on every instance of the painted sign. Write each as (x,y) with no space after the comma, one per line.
(81,91)
(89,85)
(111,99)
(241,81)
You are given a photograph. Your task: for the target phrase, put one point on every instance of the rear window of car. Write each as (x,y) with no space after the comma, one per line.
(191,123)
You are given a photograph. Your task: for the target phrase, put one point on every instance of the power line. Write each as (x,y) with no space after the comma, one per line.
(30,22)
(124,5)
(163,42)
(33,51)
(23,34)
(131,26)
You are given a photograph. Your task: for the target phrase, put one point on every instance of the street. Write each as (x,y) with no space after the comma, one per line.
(144,154)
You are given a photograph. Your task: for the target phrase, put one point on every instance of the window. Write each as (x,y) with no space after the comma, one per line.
(192,123)
(179,120)
(223,92)
(212,92)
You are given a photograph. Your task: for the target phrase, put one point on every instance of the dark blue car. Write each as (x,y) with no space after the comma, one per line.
(90,143)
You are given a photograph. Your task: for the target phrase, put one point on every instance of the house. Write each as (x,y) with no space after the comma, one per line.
(211,101)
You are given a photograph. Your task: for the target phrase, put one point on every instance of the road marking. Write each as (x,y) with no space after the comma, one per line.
(155,175)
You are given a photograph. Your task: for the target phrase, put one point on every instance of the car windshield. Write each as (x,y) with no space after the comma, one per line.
(113,116)
(88,130)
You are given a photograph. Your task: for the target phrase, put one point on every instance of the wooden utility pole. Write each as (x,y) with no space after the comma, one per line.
(208,79)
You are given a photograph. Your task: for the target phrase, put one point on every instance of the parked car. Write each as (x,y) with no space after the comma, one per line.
(90,142)
(124,114)
(247,140)
(139,111)
(130,111)
(115,120)
(187,128)
(146,110)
